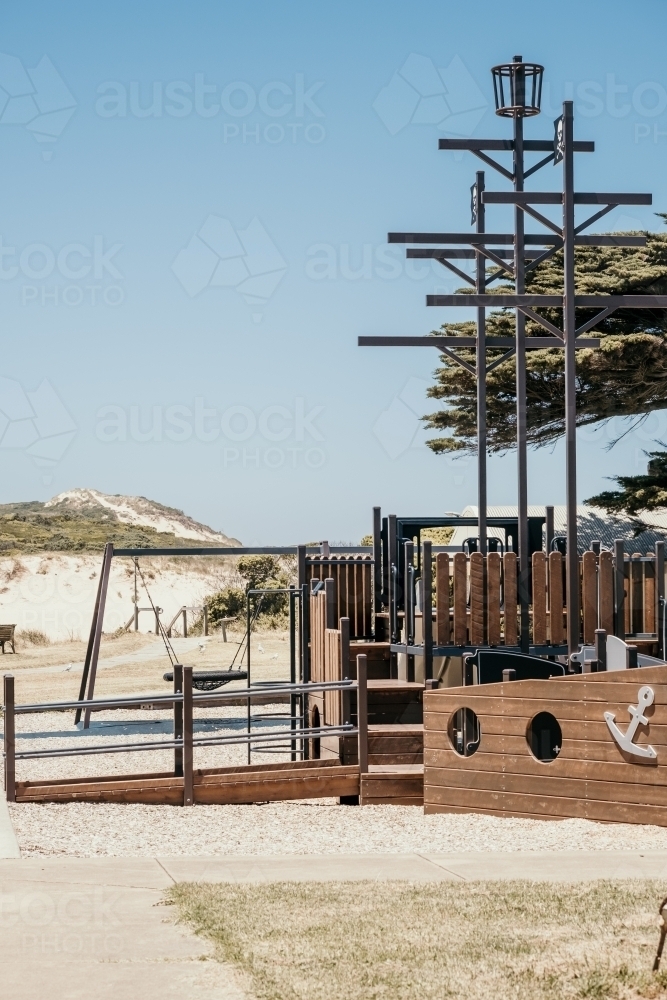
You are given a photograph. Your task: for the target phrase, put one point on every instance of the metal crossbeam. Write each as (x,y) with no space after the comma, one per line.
(532,343)
(529,145)
(556,198)
(510,301)
(507,239)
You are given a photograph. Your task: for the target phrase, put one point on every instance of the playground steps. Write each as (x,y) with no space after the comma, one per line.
(387,745)
(225,785)
(395,785)
(394,702)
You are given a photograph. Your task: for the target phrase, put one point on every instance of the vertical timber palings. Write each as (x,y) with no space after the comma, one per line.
(362,715)
(304,636)
(569,331)
(521,439)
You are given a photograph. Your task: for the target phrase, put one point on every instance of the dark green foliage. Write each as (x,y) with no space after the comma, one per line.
(227,603)
(626,376)
(260,573)
(637,493)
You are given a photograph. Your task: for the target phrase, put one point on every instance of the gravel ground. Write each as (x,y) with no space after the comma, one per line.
(307,827)
(316,827)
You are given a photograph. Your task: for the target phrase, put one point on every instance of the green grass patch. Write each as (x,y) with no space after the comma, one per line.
(408,941)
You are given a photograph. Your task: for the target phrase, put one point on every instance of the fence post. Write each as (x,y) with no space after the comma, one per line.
(178,720)
(205,619)
(427,610)
(304,630)
(660,596)
(549,530)
(362,714)
(377,559)
(330,598)
(345,667)
(619,589)
(188,797)
(184,613)
(10,739)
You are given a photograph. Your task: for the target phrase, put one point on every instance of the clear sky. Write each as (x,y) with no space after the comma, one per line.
(196,198)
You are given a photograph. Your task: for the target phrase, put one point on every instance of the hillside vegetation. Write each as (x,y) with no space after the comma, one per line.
(83,521)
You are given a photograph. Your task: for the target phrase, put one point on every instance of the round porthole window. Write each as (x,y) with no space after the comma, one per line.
(464,732)
(544,737)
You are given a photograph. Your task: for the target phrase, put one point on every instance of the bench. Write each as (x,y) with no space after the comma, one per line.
(7,635)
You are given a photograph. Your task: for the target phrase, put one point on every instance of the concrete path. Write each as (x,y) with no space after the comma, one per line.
(75,927)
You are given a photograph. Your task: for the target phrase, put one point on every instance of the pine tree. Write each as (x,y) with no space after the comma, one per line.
(625,376)
(637,493)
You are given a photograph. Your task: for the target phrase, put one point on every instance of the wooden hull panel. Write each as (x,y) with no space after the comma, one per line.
(592,777)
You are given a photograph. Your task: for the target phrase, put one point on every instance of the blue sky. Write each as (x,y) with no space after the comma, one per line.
(196,202)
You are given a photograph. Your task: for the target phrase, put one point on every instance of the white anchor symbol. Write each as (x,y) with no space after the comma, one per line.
(624,739)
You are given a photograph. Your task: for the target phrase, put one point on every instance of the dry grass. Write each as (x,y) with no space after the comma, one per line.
(132,676)
(403,941)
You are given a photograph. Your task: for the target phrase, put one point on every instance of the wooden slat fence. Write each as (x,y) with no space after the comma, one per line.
(476,598)
(353,588)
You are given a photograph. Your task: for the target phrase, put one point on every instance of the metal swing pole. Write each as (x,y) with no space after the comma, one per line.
(569,330)
(480,288)
(521,432)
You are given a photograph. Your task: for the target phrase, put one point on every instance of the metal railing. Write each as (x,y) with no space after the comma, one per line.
(183,700)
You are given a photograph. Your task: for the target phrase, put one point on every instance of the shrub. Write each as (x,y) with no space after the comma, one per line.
(33,637)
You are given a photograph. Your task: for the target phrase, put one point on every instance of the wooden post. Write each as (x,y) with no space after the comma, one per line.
(184,613)
(427,610)
(493,597)
(305,661)
(10,739)
(345,667)
(477,598)
(205,619)
(188,791)
(377,559)
(330,592)
(178,720)
(660,596)
(362,712)
(92,652)
(460,599)
(555,598)
(510,598)
(606,591)
(589,596)
(442,630)
(539,598)
(619,589)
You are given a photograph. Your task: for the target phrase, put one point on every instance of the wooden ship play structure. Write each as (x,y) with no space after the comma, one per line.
(518,675)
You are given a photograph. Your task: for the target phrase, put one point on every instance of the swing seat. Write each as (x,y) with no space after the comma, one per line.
(210,680)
